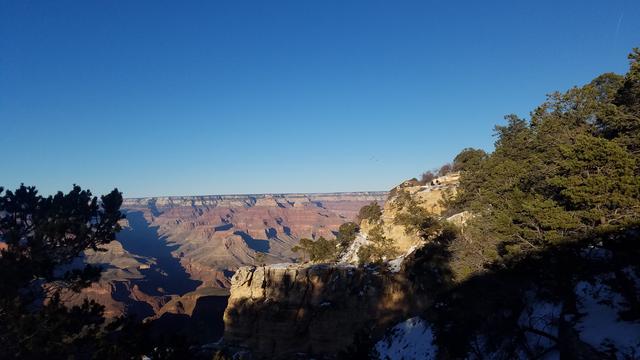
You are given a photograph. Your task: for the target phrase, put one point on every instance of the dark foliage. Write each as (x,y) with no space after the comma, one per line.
(318,250)
(571,171)
(469,159)
(371,212)
(346,234)
(41,235)
(559,191)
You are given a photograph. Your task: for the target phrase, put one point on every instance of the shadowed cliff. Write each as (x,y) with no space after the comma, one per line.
(167,276)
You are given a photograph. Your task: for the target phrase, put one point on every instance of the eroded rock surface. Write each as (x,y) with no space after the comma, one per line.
(318,310)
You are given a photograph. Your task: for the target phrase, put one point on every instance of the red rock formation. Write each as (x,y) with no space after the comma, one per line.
(210,237)
(217,234)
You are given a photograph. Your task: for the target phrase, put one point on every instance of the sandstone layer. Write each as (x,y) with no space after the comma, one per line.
(429,197)
(282,311)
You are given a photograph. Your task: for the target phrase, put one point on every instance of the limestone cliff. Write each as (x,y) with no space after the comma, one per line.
(428,196)
(318,310)
(321,310)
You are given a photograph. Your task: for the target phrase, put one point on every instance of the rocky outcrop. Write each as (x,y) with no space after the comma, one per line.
(321,310)
(116,289)
(196,315)
(318,310)
(430,197)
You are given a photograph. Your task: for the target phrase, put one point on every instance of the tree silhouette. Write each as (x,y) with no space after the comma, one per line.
(40,234)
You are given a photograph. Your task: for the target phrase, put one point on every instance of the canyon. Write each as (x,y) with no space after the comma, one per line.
(174,258)
(333,309)
(211,236)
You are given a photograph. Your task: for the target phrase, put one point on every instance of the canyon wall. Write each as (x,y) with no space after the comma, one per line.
(313,310)
(214,235)
(331,310)
(175,246)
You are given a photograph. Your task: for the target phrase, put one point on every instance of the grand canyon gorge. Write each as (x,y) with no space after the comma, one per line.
(319,180)
(175,256)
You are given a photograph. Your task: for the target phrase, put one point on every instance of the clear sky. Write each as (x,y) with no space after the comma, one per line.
(215,97)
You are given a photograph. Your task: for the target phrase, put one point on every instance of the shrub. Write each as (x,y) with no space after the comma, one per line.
(371,212)
(445,169)
(427,177)
(380,249)
(346,234)
(319,250)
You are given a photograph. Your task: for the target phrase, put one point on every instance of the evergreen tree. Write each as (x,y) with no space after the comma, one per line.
(569,172)
(40,235)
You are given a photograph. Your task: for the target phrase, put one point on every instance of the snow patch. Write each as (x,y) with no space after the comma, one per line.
(410,339)
(396,264)
(540,317)
(351,255)
(601,326)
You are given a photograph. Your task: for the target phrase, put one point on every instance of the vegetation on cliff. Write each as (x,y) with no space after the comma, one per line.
(371,212)
(379,249)
(556,213)
(533,254)
(329,250)
(570,173)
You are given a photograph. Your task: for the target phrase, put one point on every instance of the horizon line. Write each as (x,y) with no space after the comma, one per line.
(257,194)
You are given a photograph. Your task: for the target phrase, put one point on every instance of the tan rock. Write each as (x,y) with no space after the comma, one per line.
(428,197)
(282,310)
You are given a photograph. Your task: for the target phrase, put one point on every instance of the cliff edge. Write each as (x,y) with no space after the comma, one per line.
(327,310)
(285,310)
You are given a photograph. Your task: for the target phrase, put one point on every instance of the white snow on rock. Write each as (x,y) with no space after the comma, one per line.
(396,264)
(601,325)
(410,339)
(540,316)
(351,255)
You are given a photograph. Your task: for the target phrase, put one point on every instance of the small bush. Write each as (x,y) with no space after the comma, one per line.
(371,212)
(427,177)
(319,250)
(346,234)
(445,169)
(380,249)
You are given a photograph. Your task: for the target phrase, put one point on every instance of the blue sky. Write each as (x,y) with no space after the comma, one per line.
(215,97)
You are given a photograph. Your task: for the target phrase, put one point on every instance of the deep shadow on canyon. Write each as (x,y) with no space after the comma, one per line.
(167,276)
(202,322)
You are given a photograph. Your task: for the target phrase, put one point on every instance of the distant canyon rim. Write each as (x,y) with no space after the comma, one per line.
(175,249)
